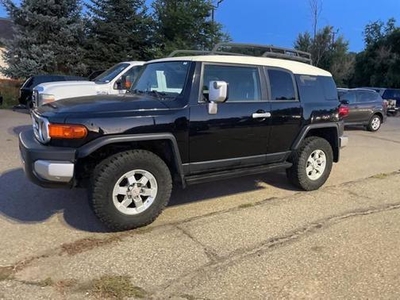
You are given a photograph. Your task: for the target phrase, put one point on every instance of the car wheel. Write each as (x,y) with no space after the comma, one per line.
(130,189)
(312,164)
(375,123)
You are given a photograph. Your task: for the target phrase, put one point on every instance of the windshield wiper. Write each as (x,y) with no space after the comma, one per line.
(154,93)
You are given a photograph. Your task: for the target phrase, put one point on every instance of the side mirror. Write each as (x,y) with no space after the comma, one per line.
(218,91)
(122,84)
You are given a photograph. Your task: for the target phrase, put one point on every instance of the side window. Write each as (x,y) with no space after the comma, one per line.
(349,96)
(243,82)
(363,97)
(131,75)
(282,86)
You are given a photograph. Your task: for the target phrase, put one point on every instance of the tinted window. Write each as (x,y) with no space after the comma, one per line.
(243,82)
(282,87)
(111,73)
(349,96)
(317,88)
(365,96)
(391,94)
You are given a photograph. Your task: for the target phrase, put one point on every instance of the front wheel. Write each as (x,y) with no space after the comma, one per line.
(130,189)
(312,164)
(375,123)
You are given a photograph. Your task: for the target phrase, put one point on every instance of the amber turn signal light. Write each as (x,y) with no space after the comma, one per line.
(63,131)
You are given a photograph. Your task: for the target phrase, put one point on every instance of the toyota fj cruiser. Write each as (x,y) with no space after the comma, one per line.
(188,120)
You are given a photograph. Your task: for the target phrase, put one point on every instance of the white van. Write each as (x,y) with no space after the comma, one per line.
(115,80)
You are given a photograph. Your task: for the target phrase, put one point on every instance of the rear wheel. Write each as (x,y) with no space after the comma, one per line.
(375,123)
(130,189)
(312,164)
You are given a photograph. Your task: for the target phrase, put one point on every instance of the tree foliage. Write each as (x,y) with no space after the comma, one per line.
(185,24)
(379,63)
(48,38)
(329,51)
(118,30)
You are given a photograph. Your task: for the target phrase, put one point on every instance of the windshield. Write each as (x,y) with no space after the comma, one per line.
(162,80)
(111,73)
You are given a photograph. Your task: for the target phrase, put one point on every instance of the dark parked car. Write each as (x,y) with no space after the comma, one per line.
(366,107)
(25,93)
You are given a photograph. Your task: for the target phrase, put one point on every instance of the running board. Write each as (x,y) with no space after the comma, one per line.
(194,179)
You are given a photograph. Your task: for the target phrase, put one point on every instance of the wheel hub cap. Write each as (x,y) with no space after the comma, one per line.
(134,192)
(316,165)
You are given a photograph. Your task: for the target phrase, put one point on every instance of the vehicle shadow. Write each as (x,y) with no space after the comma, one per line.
(22,201)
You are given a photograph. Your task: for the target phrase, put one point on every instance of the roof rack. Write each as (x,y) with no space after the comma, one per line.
(194,52)
(251,50)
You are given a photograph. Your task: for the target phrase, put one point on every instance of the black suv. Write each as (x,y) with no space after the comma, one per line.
(188,120)
(26,90)
(366,107)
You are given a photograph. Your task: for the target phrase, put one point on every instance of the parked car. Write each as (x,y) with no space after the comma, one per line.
(26,90)
(188,120)
(366,107)
(114,81)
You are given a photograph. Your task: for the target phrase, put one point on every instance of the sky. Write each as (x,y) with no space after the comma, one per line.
(278,22)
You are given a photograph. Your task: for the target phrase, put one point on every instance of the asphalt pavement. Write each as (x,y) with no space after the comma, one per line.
(254,237)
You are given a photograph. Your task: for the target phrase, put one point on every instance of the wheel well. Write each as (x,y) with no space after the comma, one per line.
(331,135)
(378,114)
(162,148)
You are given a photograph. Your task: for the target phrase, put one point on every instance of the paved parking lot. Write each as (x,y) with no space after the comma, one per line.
(249,238)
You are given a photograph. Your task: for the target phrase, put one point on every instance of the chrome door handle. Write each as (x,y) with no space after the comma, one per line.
(261,115)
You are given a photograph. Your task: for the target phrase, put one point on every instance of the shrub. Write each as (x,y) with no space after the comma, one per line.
(9,92)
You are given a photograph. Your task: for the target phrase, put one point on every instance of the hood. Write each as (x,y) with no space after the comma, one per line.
(46,85)
(103,104)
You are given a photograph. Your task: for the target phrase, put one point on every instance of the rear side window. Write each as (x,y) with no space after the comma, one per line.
(316,88)
(281,84)
(365,96)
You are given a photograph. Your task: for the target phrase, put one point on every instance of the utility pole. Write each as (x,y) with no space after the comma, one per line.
(213,8)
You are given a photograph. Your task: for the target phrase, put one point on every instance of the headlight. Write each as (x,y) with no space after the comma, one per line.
(40,128)
(46,98)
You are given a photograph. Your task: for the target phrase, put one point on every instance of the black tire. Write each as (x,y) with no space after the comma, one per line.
(374,123)
(297,174)
(108,174)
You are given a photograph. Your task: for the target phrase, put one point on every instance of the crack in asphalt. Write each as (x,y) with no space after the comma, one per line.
(211,255)
(274,243)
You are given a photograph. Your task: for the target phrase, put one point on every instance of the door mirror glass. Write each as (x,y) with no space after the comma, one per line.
(218,91)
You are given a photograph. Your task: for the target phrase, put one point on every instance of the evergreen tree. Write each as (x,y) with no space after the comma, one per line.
(48,38)
(329,52)
(118,30)
(186,24)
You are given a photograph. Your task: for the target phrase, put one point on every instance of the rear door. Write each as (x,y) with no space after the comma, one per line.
(286,112)
(366,102)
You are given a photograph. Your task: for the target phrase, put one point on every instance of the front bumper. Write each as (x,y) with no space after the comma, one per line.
(46,166)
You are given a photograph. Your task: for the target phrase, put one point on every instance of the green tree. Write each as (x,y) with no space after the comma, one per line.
(185,24)
(379,63)
(48,38)
(118,30)
(328,51)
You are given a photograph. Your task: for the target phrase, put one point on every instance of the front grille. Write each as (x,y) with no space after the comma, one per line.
(35,98)
(40,128)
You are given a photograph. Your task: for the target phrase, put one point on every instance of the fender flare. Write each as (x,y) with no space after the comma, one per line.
(96,144)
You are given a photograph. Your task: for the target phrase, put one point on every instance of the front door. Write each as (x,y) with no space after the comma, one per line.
(237,135)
